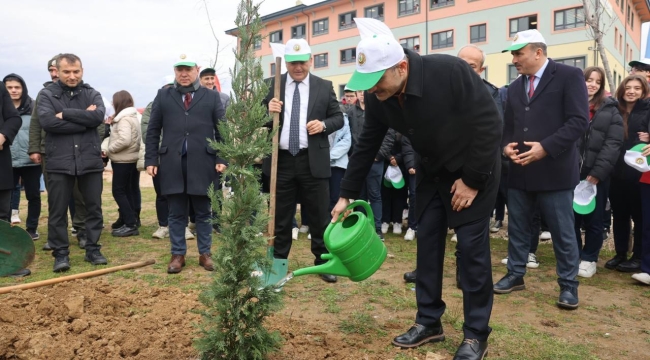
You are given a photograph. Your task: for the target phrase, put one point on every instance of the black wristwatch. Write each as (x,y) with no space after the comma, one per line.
(324,126)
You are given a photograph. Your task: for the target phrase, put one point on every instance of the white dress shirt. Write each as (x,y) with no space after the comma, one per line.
(289,88)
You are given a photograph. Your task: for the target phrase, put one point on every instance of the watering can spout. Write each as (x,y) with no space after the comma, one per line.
(333,267)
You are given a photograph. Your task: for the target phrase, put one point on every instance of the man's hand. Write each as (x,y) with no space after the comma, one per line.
(35,158)
(412,171)
(593,180)
(2,141)
(109,120)
(152,171)
(339,208)
(463,195)
(644,136)
(275,106)
(535,153)
(646,150)
(510,152)
(92,107)
(104,154)
(315,127)
(393,162)
(220,168)
(59,115)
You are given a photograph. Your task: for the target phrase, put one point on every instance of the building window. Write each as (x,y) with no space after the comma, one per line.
(512,73)
(614,79)
(298,31)
(321,26)
(346,20)
(629,13)
(406,7)
(272,69)
(348,55)
(477,33)
(441,40)
(622,5)
(522,23)
(320,60)
(578,62)
(441,3)
(257,44)
(375,12)
(276,37)
(412,43)
(569,18)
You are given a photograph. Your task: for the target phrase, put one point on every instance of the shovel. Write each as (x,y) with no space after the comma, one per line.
(16,249)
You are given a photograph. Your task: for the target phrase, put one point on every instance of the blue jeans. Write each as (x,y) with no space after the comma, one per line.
(371,191)
(556,207)
(593,225)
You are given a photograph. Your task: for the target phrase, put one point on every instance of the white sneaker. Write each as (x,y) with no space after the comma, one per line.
(397,228)
(505,261)
(294,233)
(15,219)
(642,277)
(304,229)
(384,227)
(192,226)
(532,261)
(161,233)
(410,235)
(405,214)
(587,269)
(545,235)
(188,234)
(454,238)
(308,236)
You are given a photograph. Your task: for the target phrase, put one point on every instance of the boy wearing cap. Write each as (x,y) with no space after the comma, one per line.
(426,98)
(640,67)
(309,113)
(546,113)
(210,81)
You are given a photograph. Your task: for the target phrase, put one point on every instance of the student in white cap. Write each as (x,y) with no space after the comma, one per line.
(644,275)
(309,113)
(546,113)
(453,124)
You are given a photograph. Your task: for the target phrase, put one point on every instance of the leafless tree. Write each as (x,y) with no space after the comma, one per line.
(218,49)
(599,19)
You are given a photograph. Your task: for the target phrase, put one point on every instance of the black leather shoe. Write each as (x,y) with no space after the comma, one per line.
(328,278)
(568,298)
(509,283)
(125,231)
(95,257)
(83,239)
(410,276)
(61,263)
(616,261)
(630,266)
(420,334)
(471,349)
(118,223)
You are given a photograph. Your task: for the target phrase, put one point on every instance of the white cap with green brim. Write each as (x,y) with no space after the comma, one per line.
(297,50)
(393,177)
(634,158)
(168,80)
(524,38)
(584,198)
(185,60)
(376,52)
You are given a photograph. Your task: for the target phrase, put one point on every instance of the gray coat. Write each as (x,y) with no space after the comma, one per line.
(196,125)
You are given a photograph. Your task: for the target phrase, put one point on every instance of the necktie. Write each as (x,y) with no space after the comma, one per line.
(531,86)
(188,100)
(294,131)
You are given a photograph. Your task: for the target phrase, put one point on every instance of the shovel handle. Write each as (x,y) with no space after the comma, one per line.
(274,155)
(3,251)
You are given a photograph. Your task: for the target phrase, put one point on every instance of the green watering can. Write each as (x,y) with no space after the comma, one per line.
(356,251)
(16,249)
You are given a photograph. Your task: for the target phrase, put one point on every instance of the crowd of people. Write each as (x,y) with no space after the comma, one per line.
(469,148)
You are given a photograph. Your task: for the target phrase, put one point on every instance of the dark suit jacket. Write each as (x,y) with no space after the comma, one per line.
(196,124)
(556,116)
(322,106)
(452,123)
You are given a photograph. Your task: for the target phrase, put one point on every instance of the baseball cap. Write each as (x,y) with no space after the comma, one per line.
(168,80)
(52,61)
(635,159)
(207,71)
(393,177)
(641,62)
(297,50)
(185,60)
(584,198)
(374,56)
(524,38)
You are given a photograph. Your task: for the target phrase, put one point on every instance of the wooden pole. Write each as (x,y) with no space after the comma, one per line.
(7,289)
(274,153)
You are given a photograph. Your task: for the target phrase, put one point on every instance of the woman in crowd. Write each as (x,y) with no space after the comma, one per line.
(624,191)
(599,150)
(122,149)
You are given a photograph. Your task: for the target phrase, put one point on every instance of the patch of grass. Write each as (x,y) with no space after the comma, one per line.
(332,299)
(360,323)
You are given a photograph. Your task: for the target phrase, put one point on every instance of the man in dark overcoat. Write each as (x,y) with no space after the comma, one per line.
(186,114)
(443,107)
(546,113)
(10,123)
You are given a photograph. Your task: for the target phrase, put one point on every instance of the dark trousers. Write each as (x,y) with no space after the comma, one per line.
(60,189)
(625,199)
(392,203)
(502,198)
(5,205)
(75,203)
(645,205)
(31,179)
(123,192)
(475,270)
(413,222)
(535,228)
(371,191)
(162,207)
(593,224)
(294,174)
(557,208)
(135,190)
(335,186)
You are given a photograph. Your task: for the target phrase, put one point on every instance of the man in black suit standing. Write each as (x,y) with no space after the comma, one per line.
(186,114)
(309,106)
(546,113)
(443,107)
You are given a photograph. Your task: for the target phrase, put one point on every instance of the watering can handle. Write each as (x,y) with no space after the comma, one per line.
(370,215)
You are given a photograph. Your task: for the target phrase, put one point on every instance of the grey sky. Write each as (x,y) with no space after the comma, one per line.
(124,44)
